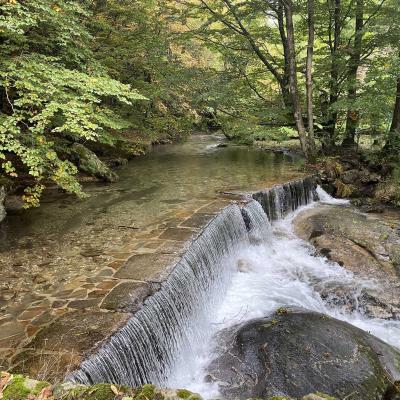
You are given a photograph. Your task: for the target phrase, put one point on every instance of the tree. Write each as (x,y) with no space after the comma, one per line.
(354,64)
(309,74)
(53,93)
(294,90)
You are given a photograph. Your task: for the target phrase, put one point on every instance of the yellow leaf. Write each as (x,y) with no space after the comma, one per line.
(114,390)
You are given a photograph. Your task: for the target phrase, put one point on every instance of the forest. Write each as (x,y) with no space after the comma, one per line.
(114,74)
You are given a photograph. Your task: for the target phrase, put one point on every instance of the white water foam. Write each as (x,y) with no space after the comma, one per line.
(280,272)
(326,198)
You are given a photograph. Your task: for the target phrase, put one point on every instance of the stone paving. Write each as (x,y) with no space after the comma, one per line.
(48,331)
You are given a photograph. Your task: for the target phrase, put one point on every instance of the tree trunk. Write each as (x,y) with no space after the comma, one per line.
(285,83)
(330,125)
(354,63)
(297,112)
(395,126)
(393,139)
(309,74)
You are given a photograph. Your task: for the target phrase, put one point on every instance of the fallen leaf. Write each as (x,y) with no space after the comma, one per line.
(4,379)
(114,390)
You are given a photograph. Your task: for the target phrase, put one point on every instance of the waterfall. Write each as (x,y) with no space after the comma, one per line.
(146,349)
(161,335)
(280,200)
(257,223)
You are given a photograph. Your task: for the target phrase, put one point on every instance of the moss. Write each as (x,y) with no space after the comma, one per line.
(183,393)
(75,393)
(16,389)
(101,391)
(281,311)
(147,392)
(195,396)
(280,398)
(40,386)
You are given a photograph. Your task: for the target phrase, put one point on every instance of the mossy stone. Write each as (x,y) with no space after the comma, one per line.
(101,391)
(16,389)
(147,392)
(183,393)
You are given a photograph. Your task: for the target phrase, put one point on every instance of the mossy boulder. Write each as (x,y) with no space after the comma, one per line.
(2,208)
(88,162)
(300,352)
(19,387)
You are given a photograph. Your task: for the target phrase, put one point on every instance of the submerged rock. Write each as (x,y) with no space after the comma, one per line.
(298,352)
(88,162)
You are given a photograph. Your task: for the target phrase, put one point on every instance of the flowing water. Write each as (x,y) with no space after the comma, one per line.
(279,271)
(150,187)
(66,243)
(243,267)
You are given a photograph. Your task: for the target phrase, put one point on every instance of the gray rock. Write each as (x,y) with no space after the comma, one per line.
(369,233)
(351,176)
(364,244)
(296,352)
(88,162)
(2,208)
(14,204)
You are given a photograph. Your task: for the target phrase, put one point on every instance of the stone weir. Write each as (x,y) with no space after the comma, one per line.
(148,346)
(136,334)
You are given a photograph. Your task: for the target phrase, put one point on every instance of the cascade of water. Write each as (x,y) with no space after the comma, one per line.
(325,197)
(257,223)
(280,200)
(148,347)
(160,337)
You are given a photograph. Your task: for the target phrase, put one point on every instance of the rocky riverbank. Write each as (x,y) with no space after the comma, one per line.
(20,387)
(366,244)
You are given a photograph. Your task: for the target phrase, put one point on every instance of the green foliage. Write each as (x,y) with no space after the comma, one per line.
(54,93)
(52,102)
(106,72)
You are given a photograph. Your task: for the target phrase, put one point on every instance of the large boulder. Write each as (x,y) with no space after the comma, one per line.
(365,244)
(369,232)
(88,162)
(2,208)
(296,352)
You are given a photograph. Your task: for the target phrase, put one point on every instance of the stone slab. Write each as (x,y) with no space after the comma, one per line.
(78,331)
(150,267)
(180,234)
(127,297)
(197,220)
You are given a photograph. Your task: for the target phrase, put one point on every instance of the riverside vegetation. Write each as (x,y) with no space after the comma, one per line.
(17,387)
